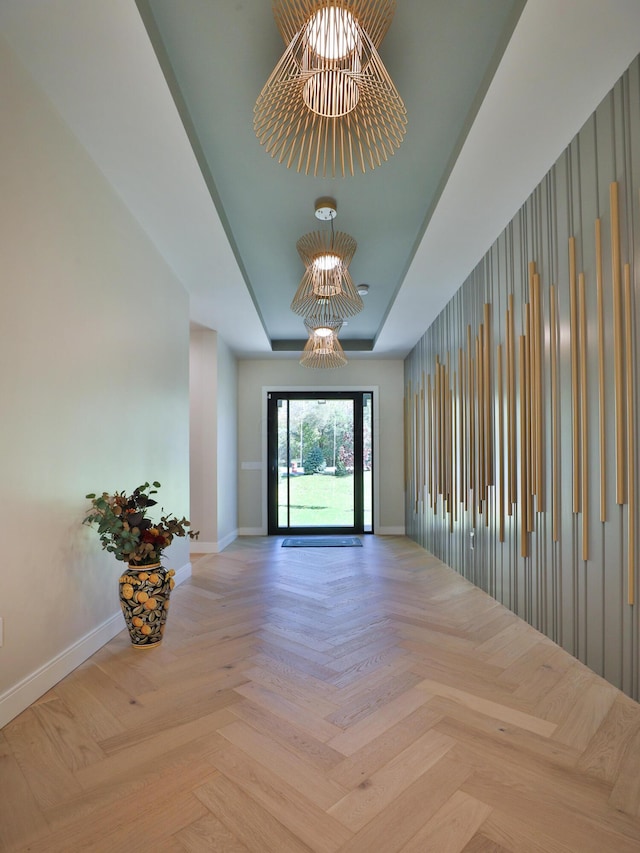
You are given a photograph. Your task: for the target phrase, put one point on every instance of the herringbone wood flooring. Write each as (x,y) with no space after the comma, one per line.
(364,699)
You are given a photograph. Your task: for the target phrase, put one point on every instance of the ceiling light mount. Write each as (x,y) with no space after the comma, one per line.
(325,209)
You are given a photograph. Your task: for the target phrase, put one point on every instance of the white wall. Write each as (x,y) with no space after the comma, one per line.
(93,389)
(227,445)
(203,382)
(214,441)
(255,375)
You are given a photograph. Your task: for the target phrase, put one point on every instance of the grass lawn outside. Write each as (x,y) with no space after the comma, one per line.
(321,500)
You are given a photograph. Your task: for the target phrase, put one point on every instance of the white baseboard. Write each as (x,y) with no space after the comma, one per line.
(14,700)
(204,547)
(213,547)
(182,574)
(227,540)
(25,692)
(262,531)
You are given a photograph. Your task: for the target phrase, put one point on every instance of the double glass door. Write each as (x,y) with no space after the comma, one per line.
(320,462)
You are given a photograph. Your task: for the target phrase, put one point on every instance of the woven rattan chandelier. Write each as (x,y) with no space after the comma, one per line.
(329,105)
(323,349)
(326,289)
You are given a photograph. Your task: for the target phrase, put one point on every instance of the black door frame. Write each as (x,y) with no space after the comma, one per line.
(272,455)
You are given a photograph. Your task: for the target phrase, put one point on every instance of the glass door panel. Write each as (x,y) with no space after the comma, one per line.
(367,461)
(317,461)
(283,463)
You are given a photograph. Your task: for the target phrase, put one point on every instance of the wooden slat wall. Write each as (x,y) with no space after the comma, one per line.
(531,413)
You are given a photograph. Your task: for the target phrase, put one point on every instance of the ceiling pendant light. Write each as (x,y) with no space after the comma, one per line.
(323,349)
(329,104)
(326,287)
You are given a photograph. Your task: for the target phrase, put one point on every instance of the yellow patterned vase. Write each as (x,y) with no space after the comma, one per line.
(144,599)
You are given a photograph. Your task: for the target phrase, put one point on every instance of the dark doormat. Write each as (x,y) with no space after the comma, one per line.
(323,542)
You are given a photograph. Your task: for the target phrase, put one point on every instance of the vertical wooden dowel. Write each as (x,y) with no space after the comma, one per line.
(407,397)
(532,373)
(412,439)
(434,443)
(583,418)
(451,462)
(434,436)
(482,414)
(445,470)
(445,445)
(443,418)
(533,440)
(448,459)
(528,429)
(438,426)
(617,343)
(512,354)
(533,411)
(472,420)
(473,433)
(420,445)
(524,540)
(416,438)
(416,426)
(539,367)
(420,442)
(480,406)
(443,406)
(423,442)
(575,379)
(462,427)
(438,423)
(440,433)
(631,437)
(510,497)
(404,435)
(501,456)
(430,447)
(455,462)
(488,396)
(555,454)
(601,388)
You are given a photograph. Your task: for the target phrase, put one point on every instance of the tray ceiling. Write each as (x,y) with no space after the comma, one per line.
(161,93)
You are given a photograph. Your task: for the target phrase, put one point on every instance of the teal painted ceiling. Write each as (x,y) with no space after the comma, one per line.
(217,55)
(160,94)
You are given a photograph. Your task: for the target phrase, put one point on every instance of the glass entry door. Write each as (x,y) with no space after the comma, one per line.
(320,455)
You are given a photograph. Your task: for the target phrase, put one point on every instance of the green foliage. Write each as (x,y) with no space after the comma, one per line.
(314,462)
(126,531)
(341,469)
(312,424)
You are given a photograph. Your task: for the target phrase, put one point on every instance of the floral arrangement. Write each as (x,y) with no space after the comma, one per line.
(126,531)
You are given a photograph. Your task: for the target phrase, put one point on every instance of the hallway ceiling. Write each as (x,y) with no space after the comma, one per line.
(161,95)
(218,55)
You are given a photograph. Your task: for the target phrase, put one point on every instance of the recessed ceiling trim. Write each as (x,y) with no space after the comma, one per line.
(297,345)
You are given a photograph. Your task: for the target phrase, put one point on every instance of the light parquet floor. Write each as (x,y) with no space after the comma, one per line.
(343,699)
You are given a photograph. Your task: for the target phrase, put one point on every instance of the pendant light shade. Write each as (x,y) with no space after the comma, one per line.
(326,256)
(329,105)
(323,349)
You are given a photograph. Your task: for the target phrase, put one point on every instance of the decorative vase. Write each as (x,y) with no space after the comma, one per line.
(144,599)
